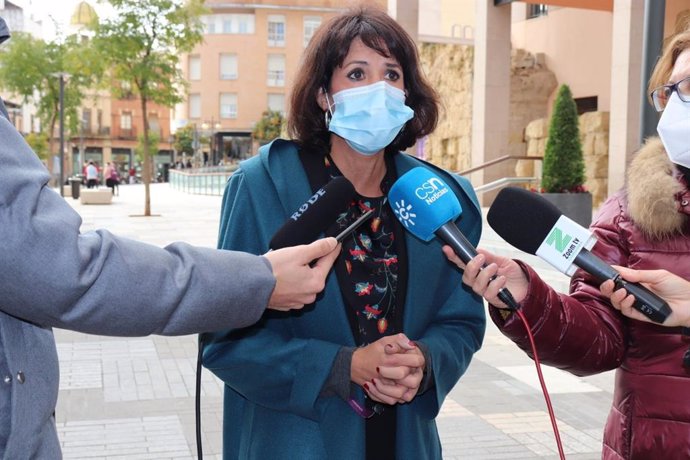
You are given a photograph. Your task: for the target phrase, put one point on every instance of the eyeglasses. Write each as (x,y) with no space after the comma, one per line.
(662,94)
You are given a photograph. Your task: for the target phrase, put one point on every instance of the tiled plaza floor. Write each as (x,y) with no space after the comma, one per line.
(133,398)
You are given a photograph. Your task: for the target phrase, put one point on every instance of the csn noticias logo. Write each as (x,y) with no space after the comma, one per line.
(404,213)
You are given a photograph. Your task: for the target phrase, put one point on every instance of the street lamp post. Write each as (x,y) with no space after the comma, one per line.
(196,145)
(62,76)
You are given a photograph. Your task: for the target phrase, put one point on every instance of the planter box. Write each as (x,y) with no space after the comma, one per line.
(577,206)
(100,195)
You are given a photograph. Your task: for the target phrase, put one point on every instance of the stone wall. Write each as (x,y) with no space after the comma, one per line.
(594,135)
(449,68)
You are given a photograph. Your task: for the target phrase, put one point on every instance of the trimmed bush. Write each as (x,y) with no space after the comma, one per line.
(564,168)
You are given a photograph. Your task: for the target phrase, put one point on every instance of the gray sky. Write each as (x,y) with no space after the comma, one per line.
(57,13)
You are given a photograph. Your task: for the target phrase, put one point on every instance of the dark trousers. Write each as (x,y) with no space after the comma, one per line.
(112,183)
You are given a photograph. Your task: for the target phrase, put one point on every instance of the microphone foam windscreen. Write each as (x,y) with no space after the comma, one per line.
(315,215)
(522,218)
(422,202)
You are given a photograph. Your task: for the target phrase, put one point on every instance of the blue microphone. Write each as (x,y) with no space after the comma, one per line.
(427,207)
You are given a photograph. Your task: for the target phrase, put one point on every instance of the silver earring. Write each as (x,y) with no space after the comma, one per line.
(327,114)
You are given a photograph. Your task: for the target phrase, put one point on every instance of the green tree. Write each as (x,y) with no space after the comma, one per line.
(29,66)
(184,140)
(269,126)
(564,166)
(141,44)
(141,148)
(39,144)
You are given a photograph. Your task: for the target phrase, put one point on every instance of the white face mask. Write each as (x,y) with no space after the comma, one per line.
(674,130)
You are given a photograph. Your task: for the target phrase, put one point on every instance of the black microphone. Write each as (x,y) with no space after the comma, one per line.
(534,225)
(315,215)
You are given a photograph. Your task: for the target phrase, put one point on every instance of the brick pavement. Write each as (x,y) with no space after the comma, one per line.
(133,398)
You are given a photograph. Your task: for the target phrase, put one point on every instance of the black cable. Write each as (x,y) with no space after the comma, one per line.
(197,397)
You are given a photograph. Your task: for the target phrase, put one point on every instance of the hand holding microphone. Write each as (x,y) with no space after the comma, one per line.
(298,278)
(488,273)
(300,264)
(534,225)
(427,207)
(673,289)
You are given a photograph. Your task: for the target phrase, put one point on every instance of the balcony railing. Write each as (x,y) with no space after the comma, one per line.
(125,133)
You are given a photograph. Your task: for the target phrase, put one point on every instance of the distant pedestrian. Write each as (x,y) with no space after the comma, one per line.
(112,178)
(91,175)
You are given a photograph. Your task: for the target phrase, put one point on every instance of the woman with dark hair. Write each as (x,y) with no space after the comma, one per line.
(644,226)
(364,372)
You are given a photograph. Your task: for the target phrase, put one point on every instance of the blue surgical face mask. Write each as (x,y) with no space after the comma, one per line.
(369,117)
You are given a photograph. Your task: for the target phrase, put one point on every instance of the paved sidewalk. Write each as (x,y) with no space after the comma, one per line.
(133,398)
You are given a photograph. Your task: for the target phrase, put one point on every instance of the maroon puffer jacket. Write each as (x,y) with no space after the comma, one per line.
(644,226)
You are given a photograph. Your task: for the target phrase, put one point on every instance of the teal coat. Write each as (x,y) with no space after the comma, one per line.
(274,371)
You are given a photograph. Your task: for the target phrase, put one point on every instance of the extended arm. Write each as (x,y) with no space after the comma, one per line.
(55,276)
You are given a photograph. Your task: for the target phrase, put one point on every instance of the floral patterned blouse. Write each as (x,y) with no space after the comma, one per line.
(368,267)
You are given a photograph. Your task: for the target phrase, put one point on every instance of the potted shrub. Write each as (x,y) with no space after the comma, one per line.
(563,172)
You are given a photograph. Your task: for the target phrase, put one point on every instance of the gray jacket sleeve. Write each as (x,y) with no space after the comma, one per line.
(54,276)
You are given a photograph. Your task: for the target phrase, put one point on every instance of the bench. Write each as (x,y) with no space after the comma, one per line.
(101,195)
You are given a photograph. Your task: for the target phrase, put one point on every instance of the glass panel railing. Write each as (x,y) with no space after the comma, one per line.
(201,181)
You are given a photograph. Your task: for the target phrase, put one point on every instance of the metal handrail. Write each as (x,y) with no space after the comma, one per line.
(499,160)
(504,181)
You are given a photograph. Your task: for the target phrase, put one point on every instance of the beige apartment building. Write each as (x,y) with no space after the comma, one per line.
(244,66)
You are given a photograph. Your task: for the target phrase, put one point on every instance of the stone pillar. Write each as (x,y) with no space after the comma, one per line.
(107,150)
(626,85)
(491,92)
(406,13)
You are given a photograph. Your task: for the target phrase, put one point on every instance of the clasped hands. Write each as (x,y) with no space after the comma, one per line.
(390,370)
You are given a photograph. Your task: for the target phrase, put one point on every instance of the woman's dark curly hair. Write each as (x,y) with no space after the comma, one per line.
(327,50)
